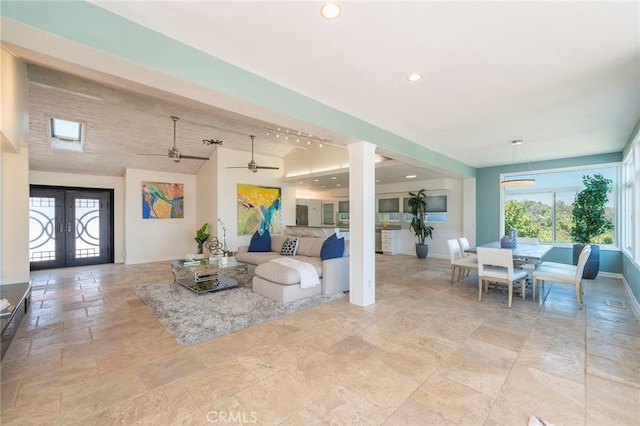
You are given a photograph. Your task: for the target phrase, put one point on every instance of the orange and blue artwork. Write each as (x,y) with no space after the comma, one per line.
(258,208)
(161,200)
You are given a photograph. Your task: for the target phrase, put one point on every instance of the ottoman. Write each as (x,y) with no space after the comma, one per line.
(281,283)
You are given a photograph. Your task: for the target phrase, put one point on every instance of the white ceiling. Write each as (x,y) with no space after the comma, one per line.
(562,76)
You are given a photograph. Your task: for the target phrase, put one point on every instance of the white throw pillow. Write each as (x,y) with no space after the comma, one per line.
(289,247)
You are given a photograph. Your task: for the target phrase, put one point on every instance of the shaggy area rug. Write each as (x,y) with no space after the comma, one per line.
(192,318)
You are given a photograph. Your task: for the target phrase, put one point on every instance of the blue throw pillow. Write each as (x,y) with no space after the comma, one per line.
(260,243)
(332,247)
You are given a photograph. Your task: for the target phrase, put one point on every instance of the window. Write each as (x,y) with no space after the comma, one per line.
(544,211)
(391,217)
(629,196)
(66,134)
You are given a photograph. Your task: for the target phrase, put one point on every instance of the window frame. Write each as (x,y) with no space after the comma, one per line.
(615,200)
(629,198)
(57,141)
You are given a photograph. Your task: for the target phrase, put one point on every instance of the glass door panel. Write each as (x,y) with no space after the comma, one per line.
(87,236)
(45,247)
(87,219)
(69,227)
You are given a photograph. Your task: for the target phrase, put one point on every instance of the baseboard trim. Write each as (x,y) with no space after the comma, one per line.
(633,303)
(615,275)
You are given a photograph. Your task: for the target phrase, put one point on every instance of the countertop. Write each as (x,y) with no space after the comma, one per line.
(388,228)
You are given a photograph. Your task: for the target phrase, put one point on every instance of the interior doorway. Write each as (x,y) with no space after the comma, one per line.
(70,226)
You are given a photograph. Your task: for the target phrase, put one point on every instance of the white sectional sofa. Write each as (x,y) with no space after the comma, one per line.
(281,283)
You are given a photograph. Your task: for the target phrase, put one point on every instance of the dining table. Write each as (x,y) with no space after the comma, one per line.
(526,253)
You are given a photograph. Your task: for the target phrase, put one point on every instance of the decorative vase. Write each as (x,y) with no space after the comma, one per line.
(506,242)
(514,238)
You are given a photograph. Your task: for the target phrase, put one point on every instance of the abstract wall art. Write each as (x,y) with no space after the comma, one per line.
(258,208)
(161,200)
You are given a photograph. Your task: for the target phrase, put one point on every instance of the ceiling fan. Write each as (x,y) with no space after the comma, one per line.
(252,164)
(174,153)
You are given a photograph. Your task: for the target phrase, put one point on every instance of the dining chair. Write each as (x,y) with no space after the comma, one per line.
(496,265)
(459,263)
(464,244)
(559,265)
(567,274)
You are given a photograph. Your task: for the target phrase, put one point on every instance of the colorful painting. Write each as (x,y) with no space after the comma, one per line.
(258,208)
(162,200)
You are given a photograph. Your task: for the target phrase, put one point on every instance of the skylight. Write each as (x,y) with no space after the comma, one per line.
(66,134)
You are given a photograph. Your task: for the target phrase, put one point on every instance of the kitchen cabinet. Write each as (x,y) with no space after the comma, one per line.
(390,241)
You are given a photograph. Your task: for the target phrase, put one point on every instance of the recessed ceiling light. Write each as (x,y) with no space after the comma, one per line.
(414,76)
(333,177)
(377,180)
(411,176)
(316,180)
(330,10)
(338,185)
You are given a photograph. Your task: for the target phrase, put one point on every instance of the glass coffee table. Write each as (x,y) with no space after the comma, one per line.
(204,276)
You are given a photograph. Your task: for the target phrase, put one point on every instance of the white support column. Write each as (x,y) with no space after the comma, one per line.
(362,267)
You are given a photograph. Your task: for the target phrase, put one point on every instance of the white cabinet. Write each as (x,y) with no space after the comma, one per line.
(390,241)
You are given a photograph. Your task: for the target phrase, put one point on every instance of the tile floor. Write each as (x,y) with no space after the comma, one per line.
(90,352)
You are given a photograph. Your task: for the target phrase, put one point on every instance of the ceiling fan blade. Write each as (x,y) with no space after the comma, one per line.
(252,166)
(193,157)
(156,155)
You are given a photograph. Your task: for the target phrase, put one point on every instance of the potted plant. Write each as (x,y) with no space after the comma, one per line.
(201,237)
(418,204)
(589,220)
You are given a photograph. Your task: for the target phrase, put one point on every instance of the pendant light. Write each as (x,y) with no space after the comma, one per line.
(519,181)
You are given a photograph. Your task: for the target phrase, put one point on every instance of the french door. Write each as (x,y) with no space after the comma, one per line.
(69,227)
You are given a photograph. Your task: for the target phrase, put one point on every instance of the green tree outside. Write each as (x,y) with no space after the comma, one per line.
(534,219)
